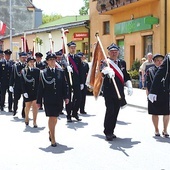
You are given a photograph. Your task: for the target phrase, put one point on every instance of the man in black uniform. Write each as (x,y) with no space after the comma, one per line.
(85,69)
(116,69)
(5,72)
(15,82)
(1,58)
(77,83)
(41,65)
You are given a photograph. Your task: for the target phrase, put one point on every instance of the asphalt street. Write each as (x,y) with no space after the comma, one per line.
(82,145)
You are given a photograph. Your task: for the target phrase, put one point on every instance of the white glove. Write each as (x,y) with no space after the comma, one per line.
(129,87)
(26,95)
(69,69)
(11,89)
(81,86)
(152,97)
(108,71)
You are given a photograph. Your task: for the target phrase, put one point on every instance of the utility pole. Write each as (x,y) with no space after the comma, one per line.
(10,15)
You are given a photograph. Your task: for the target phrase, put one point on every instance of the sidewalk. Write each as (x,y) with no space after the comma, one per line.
(138,99)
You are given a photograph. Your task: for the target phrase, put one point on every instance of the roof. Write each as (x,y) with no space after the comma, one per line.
(65,20)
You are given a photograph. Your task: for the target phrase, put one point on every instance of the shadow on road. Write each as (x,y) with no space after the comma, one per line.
(33,130)
(120,144)
(76,125)
(122,123)
(162,139)
(56,150)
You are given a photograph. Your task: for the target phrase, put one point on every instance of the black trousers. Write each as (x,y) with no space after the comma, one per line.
(17,96)
(75,98)
(83,99)
(112,111)
(4,89)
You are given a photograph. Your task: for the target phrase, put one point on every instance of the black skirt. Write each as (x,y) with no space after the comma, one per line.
(30,98)
(52,110)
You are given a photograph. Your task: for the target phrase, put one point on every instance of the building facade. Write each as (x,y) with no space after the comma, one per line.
(137,26)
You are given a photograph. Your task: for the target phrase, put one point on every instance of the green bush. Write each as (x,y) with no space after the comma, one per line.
(136,64)
(134,74)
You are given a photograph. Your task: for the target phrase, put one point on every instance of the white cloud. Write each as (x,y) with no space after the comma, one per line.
(62,7)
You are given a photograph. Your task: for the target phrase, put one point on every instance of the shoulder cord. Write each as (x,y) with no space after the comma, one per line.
(46,81)
(151,74)
(166,74)
(27,80)
(16,71)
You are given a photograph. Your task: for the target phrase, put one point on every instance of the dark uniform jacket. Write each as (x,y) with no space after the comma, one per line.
(15,78)
(5,72)
(41,65)
(160,87)
(53,87)
(75,63)
(85,69)
(30,81)
(109,90)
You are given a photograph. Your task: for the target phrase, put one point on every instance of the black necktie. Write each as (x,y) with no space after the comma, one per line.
(116,62)
(52,70)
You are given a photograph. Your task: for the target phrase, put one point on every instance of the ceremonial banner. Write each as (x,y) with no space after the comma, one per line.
(94,77)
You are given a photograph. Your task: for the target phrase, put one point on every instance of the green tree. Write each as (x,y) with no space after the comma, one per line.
(49,18)
(84,10)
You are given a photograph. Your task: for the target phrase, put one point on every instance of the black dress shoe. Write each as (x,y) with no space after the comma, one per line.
(2,109)
(14,113)
(53,144)
(110,137)
(40,108)
(69,120)
(10,110)
(77,118)
(83,112)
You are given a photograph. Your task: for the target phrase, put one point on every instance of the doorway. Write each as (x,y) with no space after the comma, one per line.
(132,55)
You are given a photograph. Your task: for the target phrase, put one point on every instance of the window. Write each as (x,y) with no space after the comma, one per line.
(106,27)
(148,46)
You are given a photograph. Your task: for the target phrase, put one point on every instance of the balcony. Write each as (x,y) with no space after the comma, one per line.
(108,7)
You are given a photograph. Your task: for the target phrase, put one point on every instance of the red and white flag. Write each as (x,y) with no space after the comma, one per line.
(2,28)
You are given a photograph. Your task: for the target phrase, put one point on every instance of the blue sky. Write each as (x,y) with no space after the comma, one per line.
(62,7)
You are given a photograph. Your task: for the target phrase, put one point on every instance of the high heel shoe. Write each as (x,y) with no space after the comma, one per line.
(53,144)
(166,135)
(26,123)
(157,134)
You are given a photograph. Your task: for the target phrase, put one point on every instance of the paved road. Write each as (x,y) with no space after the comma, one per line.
(82,145)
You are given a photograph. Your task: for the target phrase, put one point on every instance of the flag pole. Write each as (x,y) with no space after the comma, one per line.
(115,85)
(66,50)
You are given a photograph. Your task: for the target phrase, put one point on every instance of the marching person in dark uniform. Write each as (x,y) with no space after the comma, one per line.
(60,61)
(53,89)
(1,59)
(41,65)
(85,69)
(5,73)
(159,94)
(15,82)
(150,74)
(29,83)
(116,69)
(77,83)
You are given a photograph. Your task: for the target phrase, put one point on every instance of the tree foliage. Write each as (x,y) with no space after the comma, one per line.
(84,10)
(48,18)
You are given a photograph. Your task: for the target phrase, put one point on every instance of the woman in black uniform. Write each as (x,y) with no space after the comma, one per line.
(53,89)
(29,82)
